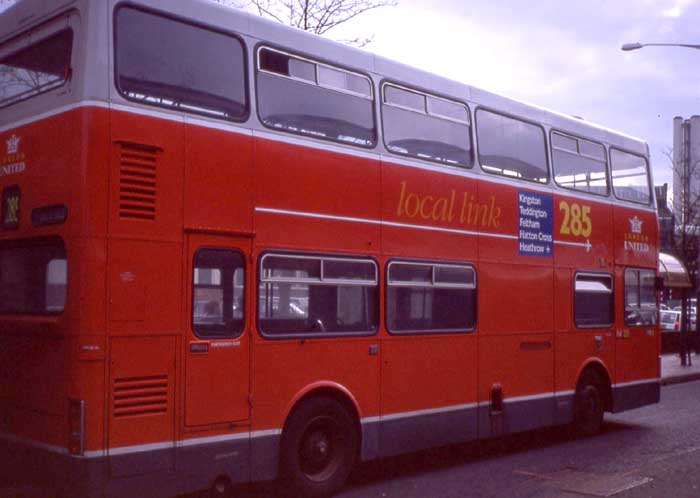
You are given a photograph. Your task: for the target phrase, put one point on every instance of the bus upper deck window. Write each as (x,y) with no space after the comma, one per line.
(630,176)
(308,97)
(426,126)
(38,68)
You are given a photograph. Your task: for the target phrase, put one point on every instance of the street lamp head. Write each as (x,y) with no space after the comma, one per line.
(631,46)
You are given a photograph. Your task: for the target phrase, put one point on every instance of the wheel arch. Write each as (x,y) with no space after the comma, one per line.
(597,368)
(329,389)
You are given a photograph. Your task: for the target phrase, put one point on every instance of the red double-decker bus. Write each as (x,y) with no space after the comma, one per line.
(231,251)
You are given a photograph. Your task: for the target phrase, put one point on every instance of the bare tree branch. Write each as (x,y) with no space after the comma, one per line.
(315,16)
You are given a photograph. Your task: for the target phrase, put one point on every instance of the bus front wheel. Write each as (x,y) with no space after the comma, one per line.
(589,407)
(318,447)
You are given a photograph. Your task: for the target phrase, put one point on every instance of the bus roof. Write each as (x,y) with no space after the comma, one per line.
(27,12)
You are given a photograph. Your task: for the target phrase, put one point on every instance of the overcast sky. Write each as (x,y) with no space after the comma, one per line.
(560,54)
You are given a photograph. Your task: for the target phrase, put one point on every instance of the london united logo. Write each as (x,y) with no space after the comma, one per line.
(13,162)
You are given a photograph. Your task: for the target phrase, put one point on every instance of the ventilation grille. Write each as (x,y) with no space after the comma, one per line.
(136,396)
(137,181)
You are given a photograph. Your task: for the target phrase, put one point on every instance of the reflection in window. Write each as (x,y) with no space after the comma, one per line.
(630,177)
(217,293)
(316,295)
(161,61)
(510,147)
(426,127)
(310,98)
(424,297)
(33,277)
(640,297)
(36,69)
(593,300)
(579,164)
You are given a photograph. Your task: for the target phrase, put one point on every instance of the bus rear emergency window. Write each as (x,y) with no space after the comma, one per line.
(36,69)
(33,277)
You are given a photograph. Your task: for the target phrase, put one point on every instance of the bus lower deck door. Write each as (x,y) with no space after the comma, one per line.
(217,369)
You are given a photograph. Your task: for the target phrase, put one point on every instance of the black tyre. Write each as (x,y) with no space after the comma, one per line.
(319,445)
(589,406)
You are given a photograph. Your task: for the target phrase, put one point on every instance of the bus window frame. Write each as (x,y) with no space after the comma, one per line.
(315,256)
(275,47)
(588,273)
(427,93)
(193,326)
(650,190)
(433,264)
(637,269)
(69,20)
(608,174)
(523,120)
(39,241)
(189,21)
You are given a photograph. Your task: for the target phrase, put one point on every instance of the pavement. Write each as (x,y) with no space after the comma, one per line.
(673,373)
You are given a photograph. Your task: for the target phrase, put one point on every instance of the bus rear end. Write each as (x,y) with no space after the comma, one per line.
(51,251)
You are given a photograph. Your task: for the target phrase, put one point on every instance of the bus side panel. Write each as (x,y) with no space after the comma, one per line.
(303,194)
(218,179)
(141,404)
(34,374)
(428,391)
(428,379)
(418,201)
(146,177)
(516,319)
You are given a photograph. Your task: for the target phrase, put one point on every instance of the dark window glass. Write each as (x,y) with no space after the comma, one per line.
(337,106)
(630,177)
(426,127)
(423,297)
(579,164)
(169,63)
(33,277)
(315,295)
(510,147)
(640,297)
(593,300)
(36,69)
(218,285)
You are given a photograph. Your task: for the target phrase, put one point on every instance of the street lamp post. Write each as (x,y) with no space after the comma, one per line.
(636,46)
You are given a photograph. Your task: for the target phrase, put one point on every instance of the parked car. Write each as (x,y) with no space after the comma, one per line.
(670,320)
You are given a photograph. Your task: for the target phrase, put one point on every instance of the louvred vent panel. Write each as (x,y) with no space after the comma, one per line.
(140,396)
(138,181)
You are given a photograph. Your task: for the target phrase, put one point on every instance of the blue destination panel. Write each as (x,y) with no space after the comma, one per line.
(535,222)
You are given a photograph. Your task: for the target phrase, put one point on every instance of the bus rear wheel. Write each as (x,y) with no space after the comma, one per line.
(318,447)
(589,407)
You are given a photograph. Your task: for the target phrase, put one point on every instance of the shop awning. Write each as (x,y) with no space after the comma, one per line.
(673,272)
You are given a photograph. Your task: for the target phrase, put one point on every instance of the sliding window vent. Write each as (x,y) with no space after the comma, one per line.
(137,181)
(139,396)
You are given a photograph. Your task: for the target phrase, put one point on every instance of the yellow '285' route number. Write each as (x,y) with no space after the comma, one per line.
(577,219)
